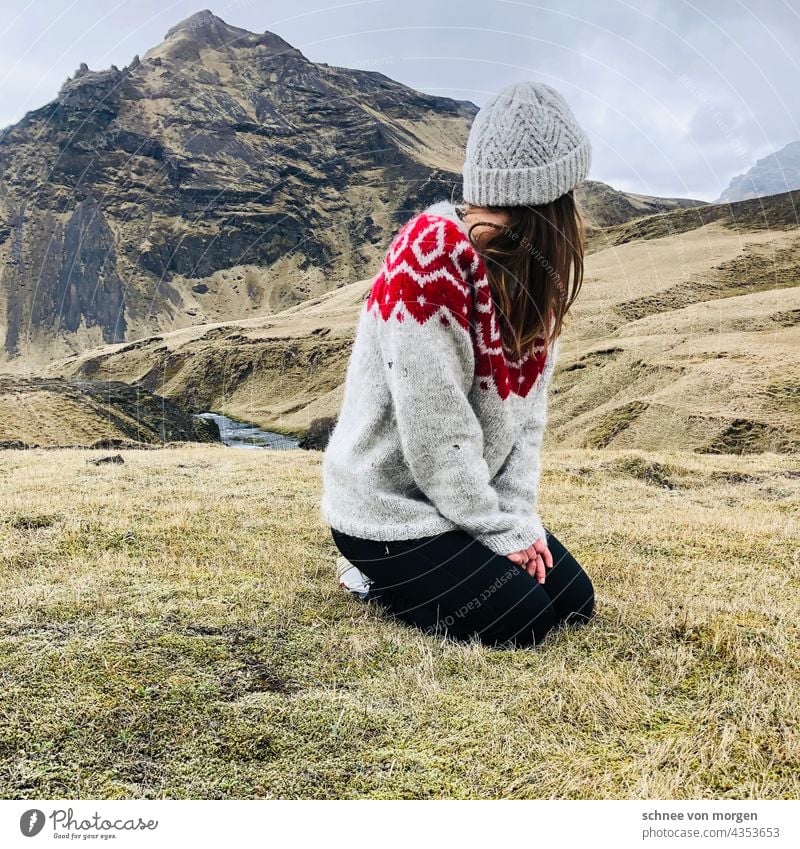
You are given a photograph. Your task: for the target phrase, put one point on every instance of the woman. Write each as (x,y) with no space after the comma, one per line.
(430,477)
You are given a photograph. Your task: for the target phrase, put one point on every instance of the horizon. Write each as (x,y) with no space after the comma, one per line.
(685,118)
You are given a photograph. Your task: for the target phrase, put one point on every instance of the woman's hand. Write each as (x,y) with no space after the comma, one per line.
(534,560)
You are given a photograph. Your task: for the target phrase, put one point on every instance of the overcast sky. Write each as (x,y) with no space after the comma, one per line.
(677,97)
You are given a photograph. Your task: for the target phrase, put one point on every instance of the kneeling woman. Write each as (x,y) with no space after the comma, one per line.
(431,474)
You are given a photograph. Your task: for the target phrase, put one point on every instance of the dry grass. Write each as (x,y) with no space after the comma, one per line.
(171,627)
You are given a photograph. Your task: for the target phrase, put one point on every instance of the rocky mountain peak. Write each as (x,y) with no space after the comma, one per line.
(201,26)
(775,174)
(229,173)
(206,31)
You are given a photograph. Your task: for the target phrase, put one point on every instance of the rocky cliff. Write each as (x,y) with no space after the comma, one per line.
(773,175)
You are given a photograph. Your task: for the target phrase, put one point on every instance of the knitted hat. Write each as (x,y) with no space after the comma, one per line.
(524,148)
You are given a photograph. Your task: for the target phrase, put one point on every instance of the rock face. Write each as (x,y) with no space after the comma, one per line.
(773,175)
(222,156)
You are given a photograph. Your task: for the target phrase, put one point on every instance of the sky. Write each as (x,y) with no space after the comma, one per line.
(676,96)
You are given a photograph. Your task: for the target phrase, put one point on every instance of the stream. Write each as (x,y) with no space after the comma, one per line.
(243,435)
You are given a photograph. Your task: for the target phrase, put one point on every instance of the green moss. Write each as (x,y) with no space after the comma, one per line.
(23,522)
(613,423)
(649,471)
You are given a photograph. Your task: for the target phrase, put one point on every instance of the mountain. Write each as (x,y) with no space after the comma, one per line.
(221,175)
(604,206)
(774,174)
(223,172)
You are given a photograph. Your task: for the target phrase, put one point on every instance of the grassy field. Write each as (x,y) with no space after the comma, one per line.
(171,627)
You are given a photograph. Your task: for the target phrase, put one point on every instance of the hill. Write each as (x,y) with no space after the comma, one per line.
(686,335)
(774,174)
(221,175)
(604,206)
(39,412)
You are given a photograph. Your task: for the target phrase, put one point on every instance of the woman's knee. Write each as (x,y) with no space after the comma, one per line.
(526,624)
(570,588)
(585,610)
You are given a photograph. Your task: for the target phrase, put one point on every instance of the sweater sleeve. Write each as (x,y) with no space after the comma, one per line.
(517,481)
(425,300)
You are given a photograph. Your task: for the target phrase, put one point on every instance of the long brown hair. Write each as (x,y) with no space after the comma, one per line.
(534,266)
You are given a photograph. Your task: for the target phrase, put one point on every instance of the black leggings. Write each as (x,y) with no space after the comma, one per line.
(453,584)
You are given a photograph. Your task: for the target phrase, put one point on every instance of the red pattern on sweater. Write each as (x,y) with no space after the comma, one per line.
(433,269)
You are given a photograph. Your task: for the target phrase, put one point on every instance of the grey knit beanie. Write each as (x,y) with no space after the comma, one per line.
(524,148)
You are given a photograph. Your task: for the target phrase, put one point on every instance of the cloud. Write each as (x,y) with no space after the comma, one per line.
(677,96)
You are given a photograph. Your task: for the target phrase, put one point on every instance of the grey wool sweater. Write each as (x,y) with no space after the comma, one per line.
(439,430)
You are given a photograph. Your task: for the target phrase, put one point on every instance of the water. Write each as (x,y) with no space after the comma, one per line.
(243,435)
